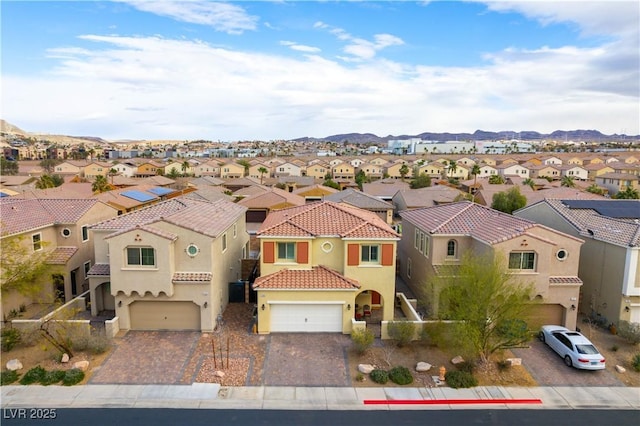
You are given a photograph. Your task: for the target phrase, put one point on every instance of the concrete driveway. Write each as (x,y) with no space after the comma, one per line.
(148,357)
(548,369)
(307,359)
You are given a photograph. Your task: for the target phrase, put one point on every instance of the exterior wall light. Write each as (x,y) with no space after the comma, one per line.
(262,307)
(349,307)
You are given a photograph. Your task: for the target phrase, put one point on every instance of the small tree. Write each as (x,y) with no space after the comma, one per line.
(421,181)
(475,171)
(49,181)
(21,267)
(245,164)
(595,189)
(529,182)
(629,193)
(509,201)
(496,180)
(567,181)
(262,170)
(8,168)
(487,303)
(404,171)
(100,185)
(362,339)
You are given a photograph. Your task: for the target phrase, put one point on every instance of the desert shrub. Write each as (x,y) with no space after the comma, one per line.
(72,377)
(51,377)
(10,338)
(635,362)
(379,376)
(34,375)
(614,348)
(460,379)
(8,377)
(503,364)
(94,343)
(362,340)
(359,377)
(400,375)
(629,331)
(401,331)
(466,366)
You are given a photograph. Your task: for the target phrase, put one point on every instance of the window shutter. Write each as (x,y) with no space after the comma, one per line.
(268,248)
(353,254)
(302,252)
(387,254)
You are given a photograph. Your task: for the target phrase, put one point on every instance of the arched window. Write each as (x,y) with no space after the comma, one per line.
(451,248)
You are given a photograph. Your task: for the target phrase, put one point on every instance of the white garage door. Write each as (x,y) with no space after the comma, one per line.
(164,316)
(306,318)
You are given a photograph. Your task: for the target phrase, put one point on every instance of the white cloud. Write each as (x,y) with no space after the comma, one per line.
(224,17)
(300,47)
(358,48)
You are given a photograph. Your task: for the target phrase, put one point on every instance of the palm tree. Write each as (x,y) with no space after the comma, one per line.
(100,185)
(629,193)
(567,181)
(262,170)
(475,171)
(453,167)
(49,181)
(529,182)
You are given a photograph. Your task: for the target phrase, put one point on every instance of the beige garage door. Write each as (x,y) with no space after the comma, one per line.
(164,316)
(545,314)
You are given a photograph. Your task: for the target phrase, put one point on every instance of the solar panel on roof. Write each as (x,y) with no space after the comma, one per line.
(620,209)
(4,194)
(161,191)
(138,196)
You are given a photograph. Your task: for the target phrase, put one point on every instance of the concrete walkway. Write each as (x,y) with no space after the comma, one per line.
(213,396)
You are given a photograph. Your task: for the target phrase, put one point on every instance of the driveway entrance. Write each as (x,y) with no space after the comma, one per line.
(148,357)
(307,359)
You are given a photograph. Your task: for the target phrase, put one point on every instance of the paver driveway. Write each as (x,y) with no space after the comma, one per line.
(148,357)
(307,359)
(548,369)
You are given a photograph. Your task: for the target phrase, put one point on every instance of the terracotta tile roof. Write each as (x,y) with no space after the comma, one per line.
(466,218)
(100,269)
(271,198)
(317,278)
(565,280)
(430,196)
(150,229)
(61,255)
(563,193)
(326,218)
(385,187)
(19,215)
(191,277)
(208,218)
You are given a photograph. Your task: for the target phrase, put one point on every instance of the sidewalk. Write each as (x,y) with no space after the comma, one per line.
(213,396)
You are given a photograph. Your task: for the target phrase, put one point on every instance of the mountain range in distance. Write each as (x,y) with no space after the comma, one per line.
(358,138)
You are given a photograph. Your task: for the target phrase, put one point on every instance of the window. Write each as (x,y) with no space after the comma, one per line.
(235,230)
(66,232)
(409,268)
(87,267)
(192,250)
(416,240)
(370,254)
(287,251)
(451,248)
(85,233)
(224,242)
(36,239)
(141,256)
(421,249)
(425,246)
(522,260)
(561,254)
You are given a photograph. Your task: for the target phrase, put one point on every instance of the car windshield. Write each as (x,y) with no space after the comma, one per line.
(586,349)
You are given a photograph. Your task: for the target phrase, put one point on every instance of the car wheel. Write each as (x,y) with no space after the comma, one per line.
(541,336)
(567,360)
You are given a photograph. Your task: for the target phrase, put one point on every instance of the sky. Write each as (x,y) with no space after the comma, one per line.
(280,70)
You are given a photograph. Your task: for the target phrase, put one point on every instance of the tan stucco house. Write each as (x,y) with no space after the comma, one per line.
(58,228)
(610,256)
(168,266)
(322,265)
(435,237)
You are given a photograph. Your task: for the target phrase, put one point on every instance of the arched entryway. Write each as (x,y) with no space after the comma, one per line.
(104,300)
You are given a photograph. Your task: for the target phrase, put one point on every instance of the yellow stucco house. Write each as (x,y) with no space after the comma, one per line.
(324,266)
(168,266)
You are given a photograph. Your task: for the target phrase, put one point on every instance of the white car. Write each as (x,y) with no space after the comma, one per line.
(576,349)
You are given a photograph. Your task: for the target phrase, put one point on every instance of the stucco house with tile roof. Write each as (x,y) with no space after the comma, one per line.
(384,189)
(610,256)
(60,228)
(408,199)
(363,201)
(322,265)
(435,238)
(616,182)
(168,266)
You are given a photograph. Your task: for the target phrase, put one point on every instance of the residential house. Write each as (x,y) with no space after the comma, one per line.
(323,266)
(610,256)
(343,171)
(574,171)
(314,192)
(357,162)
(551,160)
(616,182)
(512,169)
(364,201)
(408,199)
(287,169)
(263,201)
(135,197)
(394,169)
(231,170)
(379,161)
(95,169)
(318,170)
(69,167)
(208,168)
(125,168)
(257,170)
(551,171)
(436,238)
(177,168)
(384,189)
(597,169)
(168,267)
(58,228)
(434,170)
(148,168)
(372,171)
(487,170)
